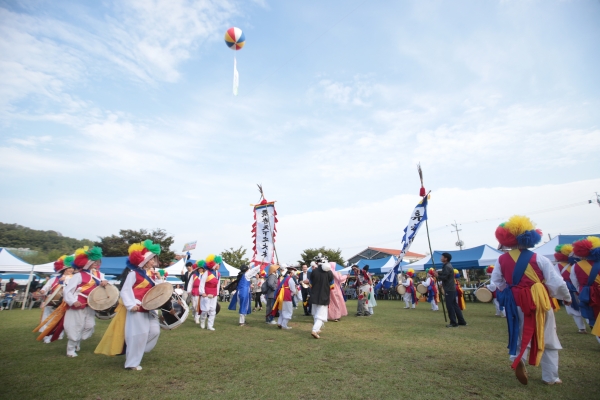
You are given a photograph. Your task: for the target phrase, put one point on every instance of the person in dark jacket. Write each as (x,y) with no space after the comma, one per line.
(321,280)
(272,283)
(447,278)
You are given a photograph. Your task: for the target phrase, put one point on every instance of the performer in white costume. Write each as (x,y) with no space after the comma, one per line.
(65,272)
(193,288)
(321,281)
(141,326)
(283,299)
(209,292)
(564,266)
(80,319)
(432,290)
(526,281)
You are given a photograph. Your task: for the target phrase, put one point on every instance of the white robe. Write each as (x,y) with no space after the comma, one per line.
(141,328)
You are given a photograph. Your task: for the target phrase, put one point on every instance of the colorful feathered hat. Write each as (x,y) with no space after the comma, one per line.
(141,253)
(431,271)
(456,273)
(562,252)
(85,257)
(518,231)
(410,272)
(489,270)
(59,265)
(588,248)
(200,264)
(212,261)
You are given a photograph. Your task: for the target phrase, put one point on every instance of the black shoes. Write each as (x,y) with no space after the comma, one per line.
(452,326)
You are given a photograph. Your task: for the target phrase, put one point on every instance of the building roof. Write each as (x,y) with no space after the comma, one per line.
(395,252)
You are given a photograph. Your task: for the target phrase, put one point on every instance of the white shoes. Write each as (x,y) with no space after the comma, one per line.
(72,355)
(202,324)
(138,368)
(210,328)
(47,339)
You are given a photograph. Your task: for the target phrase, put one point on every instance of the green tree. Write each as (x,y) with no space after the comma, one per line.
(235,258)
(332,255)
(118,245)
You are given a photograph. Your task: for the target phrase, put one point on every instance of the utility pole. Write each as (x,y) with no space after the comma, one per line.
(459,243)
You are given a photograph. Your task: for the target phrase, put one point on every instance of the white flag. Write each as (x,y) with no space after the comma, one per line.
(236,78)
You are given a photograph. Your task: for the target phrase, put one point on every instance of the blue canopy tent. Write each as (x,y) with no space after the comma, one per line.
(113,265)
(379,266)
(473,258)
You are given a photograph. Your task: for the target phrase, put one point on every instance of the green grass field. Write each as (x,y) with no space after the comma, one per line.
(396,353)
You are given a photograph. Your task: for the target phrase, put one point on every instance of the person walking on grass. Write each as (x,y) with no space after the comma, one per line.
(449,286)
(526,282)
(322,282)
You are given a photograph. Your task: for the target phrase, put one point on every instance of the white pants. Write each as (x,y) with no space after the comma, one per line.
(434,306)
(549,361)
(320,316)
(285,315)
(79,325)
(576,316)
(141,334)
(408,300)
(195,300)
(209,308)
(498,312)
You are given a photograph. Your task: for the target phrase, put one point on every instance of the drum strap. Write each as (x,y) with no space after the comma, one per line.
(142,272)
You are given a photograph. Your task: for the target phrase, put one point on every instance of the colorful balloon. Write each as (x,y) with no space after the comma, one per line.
(235,38)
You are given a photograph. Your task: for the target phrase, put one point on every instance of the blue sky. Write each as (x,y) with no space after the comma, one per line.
(120,114)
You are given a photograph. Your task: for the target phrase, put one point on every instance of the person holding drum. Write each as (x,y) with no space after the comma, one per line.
(52,287)
(432,291)
(526,281)
(80,319)
(493,290)
(564,264)
(141,326)
(363,290)
(410,296)
(209,292)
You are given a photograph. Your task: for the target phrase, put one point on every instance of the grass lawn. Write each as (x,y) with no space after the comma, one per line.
(396,353)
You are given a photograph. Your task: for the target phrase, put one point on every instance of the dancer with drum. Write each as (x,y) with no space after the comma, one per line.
(80,319)
(526,281)
(363,290)
(141,326)
(243,294)
(410,296)
(209,292)
(493,290)
(585,275)
(432,291)
(193,287)
(54,288)
(283,305)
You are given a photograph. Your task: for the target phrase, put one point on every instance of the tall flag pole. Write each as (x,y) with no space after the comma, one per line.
(264,231)
(418,215)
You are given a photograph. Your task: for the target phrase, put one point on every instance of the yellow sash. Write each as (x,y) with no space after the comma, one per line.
(540,298)
(114,338)
(52,320)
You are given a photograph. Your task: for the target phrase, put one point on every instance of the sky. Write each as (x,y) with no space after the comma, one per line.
(120,115)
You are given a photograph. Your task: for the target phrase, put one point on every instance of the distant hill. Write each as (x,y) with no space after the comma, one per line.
(49,244)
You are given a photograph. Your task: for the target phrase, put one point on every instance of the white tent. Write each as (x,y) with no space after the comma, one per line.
(176,268)
(10,263)
(47,268)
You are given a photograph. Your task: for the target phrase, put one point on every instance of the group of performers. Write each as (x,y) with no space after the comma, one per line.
(525,285)
(133,330)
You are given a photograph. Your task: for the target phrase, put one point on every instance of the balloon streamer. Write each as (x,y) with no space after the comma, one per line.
(235,40)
